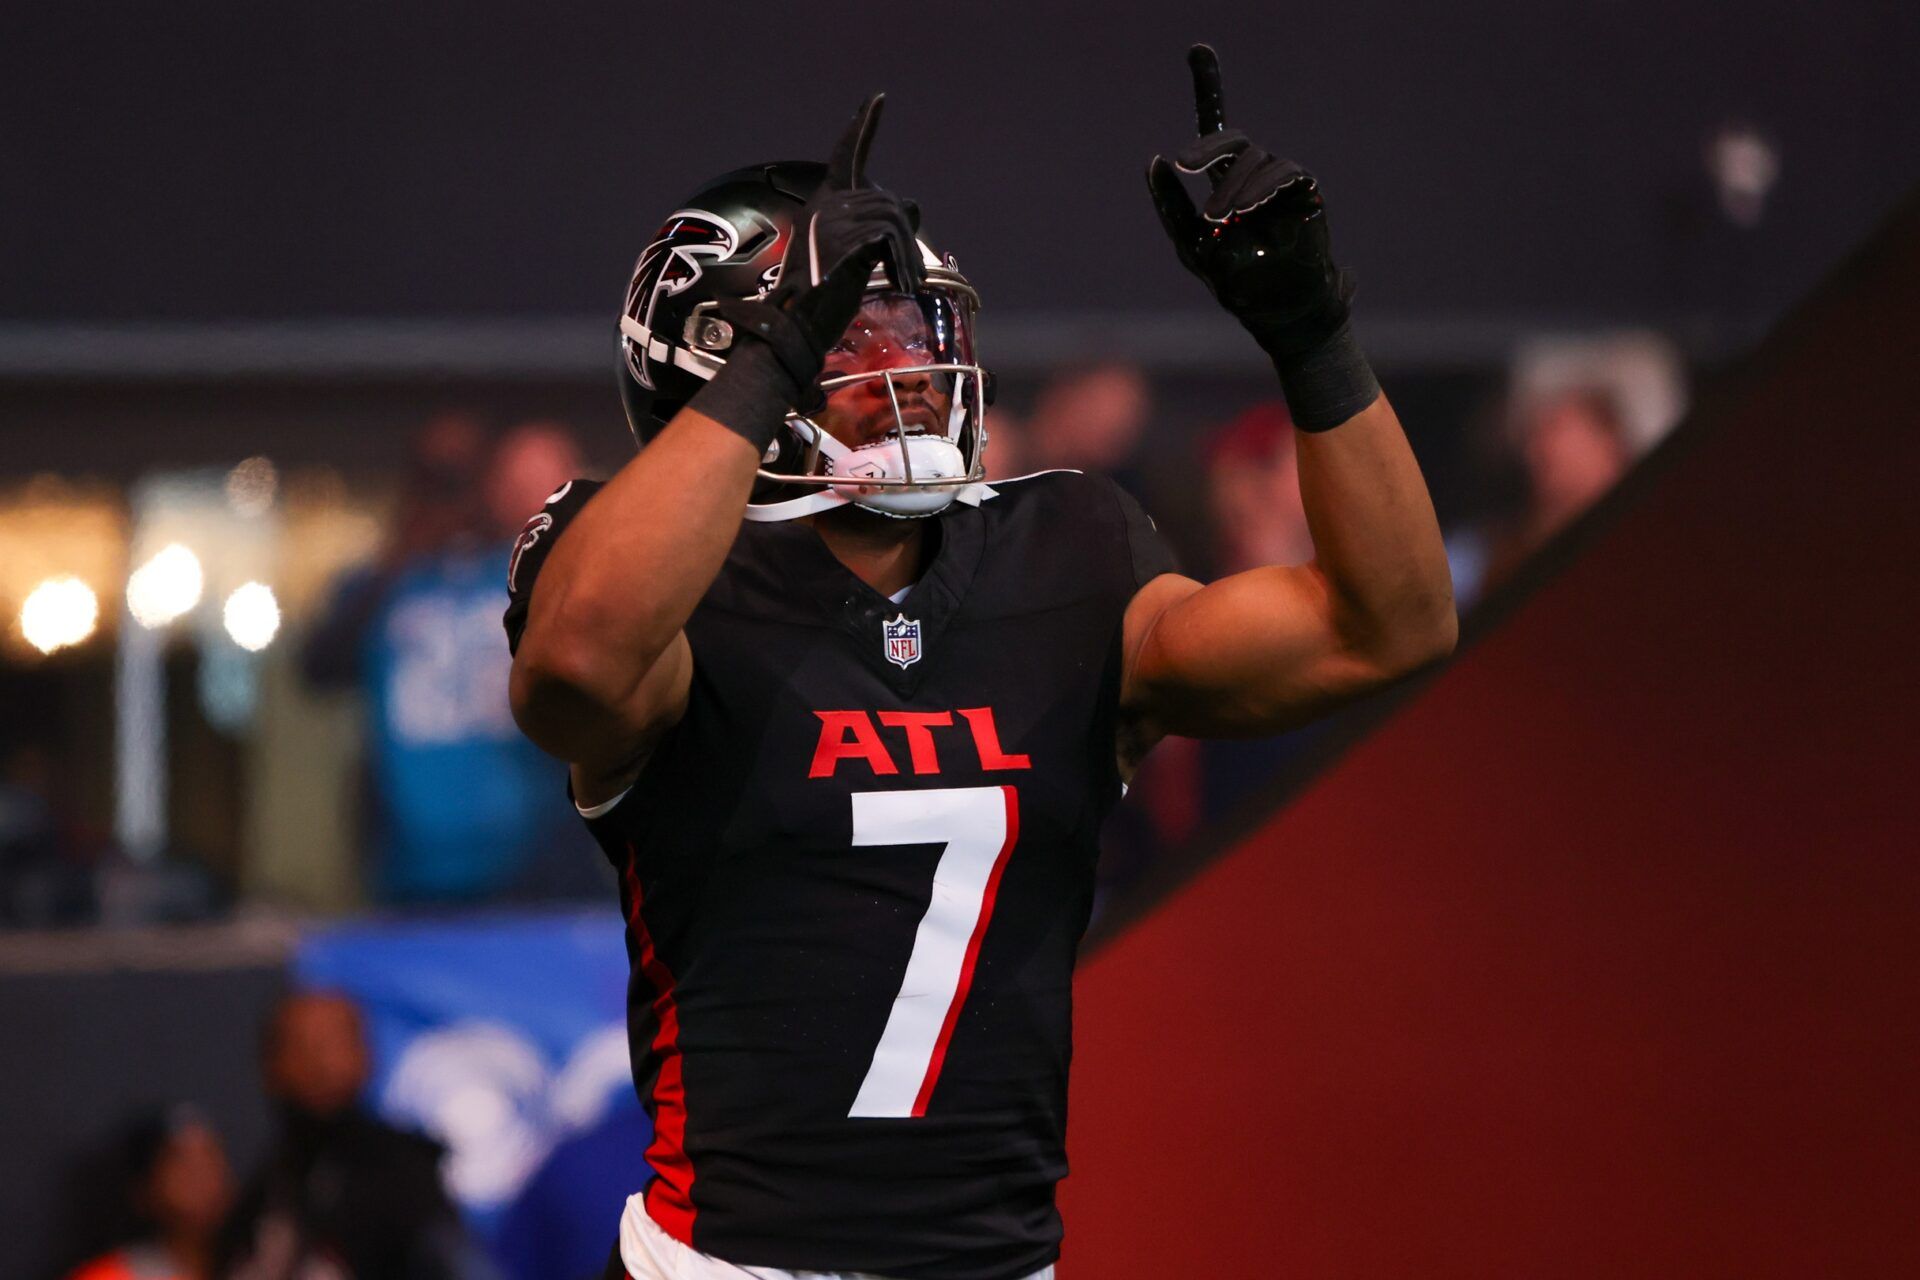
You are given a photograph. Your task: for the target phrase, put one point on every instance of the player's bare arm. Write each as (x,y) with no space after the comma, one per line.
(602,667)
(1266,650)
(1270,648)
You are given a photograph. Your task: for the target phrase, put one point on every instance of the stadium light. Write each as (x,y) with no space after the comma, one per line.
(252,616)
(251,486)
(165,587)
(59,612)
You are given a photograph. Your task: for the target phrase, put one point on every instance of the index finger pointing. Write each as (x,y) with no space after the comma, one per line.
(1209,114)
(847,167)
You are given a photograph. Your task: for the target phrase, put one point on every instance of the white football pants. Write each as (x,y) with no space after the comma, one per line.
(651,1254)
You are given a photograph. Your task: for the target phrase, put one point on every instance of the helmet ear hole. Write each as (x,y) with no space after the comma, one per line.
(708,332)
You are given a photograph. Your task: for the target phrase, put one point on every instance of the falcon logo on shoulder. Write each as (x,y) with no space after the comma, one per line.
(670,265)
(902,637)
(529,536)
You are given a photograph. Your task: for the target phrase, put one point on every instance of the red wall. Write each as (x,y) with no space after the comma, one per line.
(1603,957)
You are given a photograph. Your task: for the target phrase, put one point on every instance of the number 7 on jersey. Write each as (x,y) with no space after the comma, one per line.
(978,826)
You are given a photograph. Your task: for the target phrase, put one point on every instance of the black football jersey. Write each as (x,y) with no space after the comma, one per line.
(855,877)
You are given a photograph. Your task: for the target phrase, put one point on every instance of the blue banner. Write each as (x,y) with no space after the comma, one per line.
(504,1036)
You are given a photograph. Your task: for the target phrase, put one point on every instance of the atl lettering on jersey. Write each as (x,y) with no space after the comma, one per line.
(851,735)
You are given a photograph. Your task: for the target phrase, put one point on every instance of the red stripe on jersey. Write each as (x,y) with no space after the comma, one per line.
(973,952)
(669,1197)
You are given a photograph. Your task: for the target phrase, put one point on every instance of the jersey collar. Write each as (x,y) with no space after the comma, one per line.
(859,612)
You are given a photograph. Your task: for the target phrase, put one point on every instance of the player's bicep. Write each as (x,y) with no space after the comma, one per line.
(605,768)
(1255,653)
(605,732)
(600,717)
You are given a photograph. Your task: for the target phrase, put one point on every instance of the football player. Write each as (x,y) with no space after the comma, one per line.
(847,719)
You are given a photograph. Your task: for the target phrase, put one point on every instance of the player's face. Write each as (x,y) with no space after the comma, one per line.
(891,331)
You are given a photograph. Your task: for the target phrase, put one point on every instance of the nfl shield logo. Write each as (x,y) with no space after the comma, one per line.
(903,640)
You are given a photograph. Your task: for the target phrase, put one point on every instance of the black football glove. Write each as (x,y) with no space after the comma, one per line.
(1261,246)
(781,343)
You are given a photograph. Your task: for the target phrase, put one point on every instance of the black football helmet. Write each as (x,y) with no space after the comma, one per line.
(921,414)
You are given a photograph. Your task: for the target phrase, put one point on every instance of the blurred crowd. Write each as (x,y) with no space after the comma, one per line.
(450,806)
(340,1193)
(1571,421)
(457,803)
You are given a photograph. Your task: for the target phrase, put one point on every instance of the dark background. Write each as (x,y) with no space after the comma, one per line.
(235,161)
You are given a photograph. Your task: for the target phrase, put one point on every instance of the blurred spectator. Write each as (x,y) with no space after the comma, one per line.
(1580,409)
(528,464)
(1641,372)
(1253,492)
(1007,447)
(1090,419)
(341,1196)
(1574,447)
(42,880)
(461,805)
(176,1188)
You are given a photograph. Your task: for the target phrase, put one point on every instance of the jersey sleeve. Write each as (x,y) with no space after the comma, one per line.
(531,548)
(1148,551)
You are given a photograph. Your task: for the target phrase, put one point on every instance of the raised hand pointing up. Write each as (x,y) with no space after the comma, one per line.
(846,230)
(1260,242)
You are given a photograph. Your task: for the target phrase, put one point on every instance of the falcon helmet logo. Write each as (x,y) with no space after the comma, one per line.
(670,265)
(902,637)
